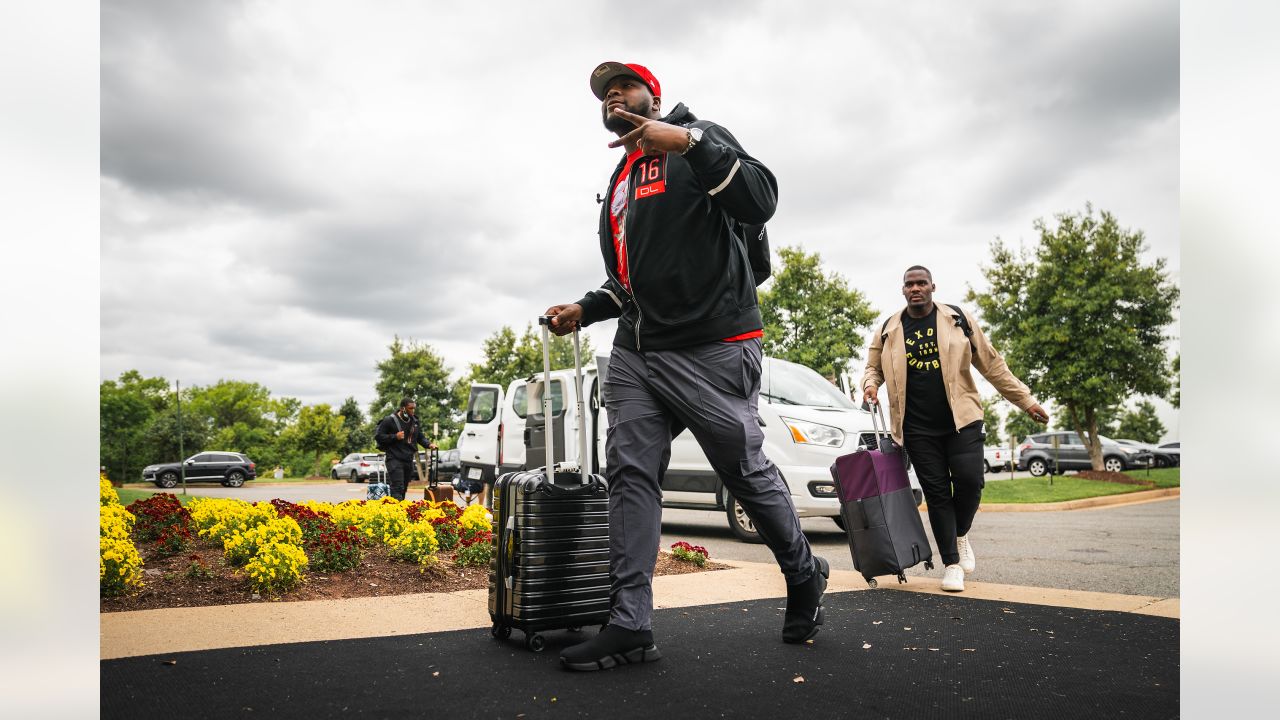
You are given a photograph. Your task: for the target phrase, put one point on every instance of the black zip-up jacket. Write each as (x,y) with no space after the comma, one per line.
(400,450)
(691,281)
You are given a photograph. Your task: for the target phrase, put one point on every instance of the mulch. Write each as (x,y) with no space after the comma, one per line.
(168,585)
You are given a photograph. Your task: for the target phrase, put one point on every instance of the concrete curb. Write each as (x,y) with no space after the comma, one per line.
(154,632)
(1132,498)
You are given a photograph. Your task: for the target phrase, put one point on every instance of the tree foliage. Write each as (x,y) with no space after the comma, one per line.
(1020,426)
(507,357)
(416,371)
(357,434)
(991,421)
(1081,319)
(1141,424)
(811,317)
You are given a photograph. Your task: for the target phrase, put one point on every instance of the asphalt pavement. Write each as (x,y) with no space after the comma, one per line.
(1128,549)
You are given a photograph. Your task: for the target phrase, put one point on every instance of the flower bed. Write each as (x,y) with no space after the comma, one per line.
(221,551)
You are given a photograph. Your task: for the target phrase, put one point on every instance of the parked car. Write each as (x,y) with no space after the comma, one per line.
(1161,457)
(1036,454)
(807,424)
(448,465)
(996,459)
(359,467)
(229,468)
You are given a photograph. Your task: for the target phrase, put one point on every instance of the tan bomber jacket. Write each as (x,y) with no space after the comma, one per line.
(887,363)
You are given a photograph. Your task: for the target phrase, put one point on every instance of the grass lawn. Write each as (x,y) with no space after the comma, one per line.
(1069,487)
(128,495)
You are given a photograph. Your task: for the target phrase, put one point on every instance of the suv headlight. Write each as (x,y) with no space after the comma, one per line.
(810,433)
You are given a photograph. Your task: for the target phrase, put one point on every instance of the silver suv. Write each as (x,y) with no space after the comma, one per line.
(1037,454)
(359,467)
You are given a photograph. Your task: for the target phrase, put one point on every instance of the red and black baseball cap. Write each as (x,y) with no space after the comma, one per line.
(607,71)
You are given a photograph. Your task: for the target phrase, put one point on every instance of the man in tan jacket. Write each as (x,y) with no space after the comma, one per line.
(923,353)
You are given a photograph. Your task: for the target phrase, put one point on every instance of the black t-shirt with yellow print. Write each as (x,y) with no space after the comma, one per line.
(928,411)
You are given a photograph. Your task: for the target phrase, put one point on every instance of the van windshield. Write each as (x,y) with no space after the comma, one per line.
(787,383)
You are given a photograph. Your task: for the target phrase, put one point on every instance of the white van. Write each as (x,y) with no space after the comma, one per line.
(807,424)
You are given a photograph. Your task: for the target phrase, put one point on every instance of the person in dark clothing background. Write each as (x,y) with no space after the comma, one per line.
(399,435)
(687,353)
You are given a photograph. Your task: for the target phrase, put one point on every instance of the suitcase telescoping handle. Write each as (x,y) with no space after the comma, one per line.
(884,439)
(545,322)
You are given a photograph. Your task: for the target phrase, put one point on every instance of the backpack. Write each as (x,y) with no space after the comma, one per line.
(961,320)
(384,446)
(756,238)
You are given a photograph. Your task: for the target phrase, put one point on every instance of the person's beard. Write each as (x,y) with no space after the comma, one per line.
(622,126)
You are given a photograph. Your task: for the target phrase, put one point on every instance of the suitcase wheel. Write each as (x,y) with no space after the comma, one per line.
(500,631)
(534,642)
(575,628)
(902,578)
(872,583)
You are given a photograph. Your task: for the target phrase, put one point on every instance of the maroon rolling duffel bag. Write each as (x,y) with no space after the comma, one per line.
(886,535)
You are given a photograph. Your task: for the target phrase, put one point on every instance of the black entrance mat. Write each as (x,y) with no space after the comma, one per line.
(929,656)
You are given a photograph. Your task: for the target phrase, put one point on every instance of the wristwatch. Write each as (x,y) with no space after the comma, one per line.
(695,137)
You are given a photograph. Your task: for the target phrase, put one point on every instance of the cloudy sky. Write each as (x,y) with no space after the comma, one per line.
(285,186)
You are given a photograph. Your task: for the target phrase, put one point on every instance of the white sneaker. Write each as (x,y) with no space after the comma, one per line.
(953,578)
(967,561)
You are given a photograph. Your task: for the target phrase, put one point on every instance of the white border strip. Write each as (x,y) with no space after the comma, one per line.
(732,171)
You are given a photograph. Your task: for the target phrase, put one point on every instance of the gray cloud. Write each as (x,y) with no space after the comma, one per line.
(288,186)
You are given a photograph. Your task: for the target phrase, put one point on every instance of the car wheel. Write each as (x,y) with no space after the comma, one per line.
(235,478)
(1111,463)
(167,480)
(334,474)
(739,523)
(355,477)
(1161,462)
(986,467)
(1037,467)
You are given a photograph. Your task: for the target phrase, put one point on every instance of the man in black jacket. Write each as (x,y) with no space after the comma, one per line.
(687,353)
(398,435)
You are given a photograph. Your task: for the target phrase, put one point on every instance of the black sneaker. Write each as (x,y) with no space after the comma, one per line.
(613,646)
(804,604)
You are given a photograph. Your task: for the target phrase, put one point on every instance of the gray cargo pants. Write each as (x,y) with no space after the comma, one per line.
(712,389)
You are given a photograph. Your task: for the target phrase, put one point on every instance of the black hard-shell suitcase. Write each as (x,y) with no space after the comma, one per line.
(550,567)
(886,535)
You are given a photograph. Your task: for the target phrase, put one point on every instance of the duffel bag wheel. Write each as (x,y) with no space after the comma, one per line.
(500,631)
(872,583)
(535,642)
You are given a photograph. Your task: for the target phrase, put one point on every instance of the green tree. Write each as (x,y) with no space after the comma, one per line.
(811,317)
(1019,425)
(1175,397)
(416,371)
(316,436)
(507,357)
(1083,319)
(126,407)
(357,434)
(991,421)
(1141,424)
(238,416)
